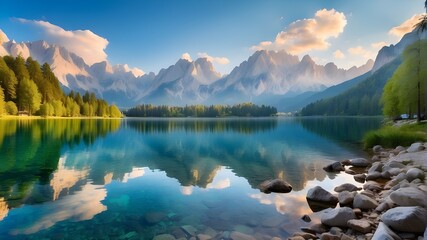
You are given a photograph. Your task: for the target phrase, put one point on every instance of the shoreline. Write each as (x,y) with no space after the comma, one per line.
(10,117)
(391,205)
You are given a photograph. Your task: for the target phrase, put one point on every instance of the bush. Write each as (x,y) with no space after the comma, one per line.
(391,137)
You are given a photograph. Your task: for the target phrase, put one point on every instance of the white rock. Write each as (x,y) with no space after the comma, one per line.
(337,217)
(415,147)
(415,173)
(384,233)
(364,202)
(406,219)
(409,196)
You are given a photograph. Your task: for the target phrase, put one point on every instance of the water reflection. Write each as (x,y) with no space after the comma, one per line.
(199,172)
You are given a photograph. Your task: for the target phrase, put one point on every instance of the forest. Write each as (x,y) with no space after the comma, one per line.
(238,110)
(26,88)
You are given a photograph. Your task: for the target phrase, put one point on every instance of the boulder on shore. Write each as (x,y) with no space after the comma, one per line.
(362,226)
(364,202)
(345,198)
(383,232)
(276,185)
(337,217)
(319,194)
(414,173)
(409,196)
(406,219)
(347,187)
(359,162)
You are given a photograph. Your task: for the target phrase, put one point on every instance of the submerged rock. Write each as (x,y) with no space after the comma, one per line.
(164,237)
(240,236)
(334,167)
(337,217)
(319,194)
(406,219)
(276,185)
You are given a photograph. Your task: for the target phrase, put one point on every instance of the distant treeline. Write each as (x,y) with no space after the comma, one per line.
(238,110)
(28,88)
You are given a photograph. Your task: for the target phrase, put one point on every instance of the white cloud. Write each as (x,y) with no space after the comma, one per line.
(406,26)
(218,60)
(338,54)
(84,43)
(308,34)
(186,56)
(361,51)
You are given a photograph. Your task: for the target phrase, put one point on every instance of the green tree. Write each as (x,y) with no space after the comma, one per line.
(421,26)
(29,98)
(115,112)
(2,103)
(46,109)
(8,81)
(11,108)
(58,107)
(55,91)
(19,68)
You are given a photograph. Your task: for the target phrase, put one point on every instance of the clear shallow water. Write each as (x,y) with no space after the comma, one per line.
(137,178)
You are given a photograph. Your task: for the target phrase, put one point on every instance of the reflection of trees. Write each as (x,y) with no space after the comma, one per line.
(30,150)
(341,129)
(240,125)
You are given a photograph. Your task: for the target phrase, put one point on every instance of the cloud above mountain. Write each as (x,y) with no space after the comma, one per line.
(218,60)
(308,34)
(406,26)
(87,44)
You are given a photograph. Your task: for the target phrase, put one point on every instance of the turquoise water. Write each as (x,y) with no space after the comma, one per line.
(138,178)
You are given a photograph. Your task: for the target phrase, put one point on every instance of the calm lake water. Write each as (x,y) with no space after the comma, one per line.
(138,178)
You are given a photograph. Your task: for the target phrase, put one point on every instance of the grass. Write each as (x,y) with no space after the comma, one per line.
(391,137)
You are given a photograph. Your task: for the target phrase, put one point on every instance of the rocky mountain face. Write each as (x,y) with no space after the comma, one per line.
(264,78)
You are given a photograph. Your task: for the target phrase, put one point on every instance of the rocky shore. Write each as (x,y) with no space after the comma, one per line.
(391,205)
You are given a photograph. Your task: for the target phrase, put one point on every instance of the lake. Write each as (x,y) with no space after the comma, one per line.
(138,178)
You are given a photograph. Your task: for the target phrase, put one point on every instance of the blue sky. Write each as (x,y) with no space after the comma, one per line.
(152,35)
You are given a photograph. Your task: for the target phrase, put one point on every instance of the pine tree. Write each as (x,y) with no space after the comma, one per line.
(29,98)
(8,81)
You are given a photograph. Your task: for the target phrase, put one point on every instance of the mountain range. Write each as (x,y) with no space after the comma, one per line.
(267,77)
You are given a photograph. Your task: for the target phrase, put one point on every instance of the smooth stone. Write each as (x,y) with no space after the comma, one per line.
(346,198)
(305,235)
(409,196)
(164,237)
(375,159)
(240,236)
(373,186)
(210,231)
(415,147)
(308,230)
(373,176)
(377,148)
(415,173)
(384,233)
(316,206)
(346,162)
(335,230)
(368,193)
(394,164)
(364,202)
(306,218)
(399,149)
(321,195)
(376,167)
(406,219)
(189,230)
(359,225)
(334,167)
(386,175)
(337,217)
(360,177)
(243,229)
(329,236)
(346,187)
(384,206)
(276,186)
(359,162)
(318,228)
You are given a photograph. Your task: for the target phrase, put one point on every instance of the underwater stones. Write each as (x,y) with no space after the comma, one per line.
(272,222)
(240,236)
(154,217)
(129,236)
(406,219)
(189,230)
(346,187)
(276,186)
(334,167)
(318,194)
(164,237)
